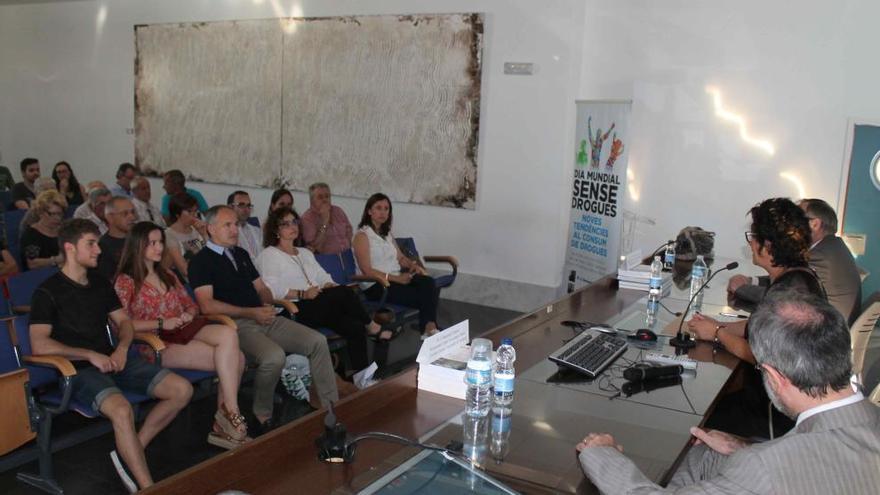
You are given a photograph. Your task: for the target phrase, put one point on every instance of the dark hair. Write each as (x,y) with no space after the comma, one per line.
(27,161)
(179,203)
(231,197)
(385,228)
(73,229)
(123,168)
(822,211)
(132,262)
(805,339)
(276,195)
(175,176)
(72,184)
(271,228)
(785,226)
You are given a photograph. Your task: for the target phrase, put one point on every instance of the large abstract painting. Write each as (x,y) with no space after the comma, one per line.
(365,103)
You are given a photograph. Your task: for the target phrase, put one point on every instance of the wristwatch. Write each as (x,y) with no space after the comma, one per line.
(717,329)
(161,322)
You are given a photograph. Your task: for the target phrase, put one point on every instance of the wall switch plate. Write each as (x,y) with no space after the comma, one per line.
(519,68)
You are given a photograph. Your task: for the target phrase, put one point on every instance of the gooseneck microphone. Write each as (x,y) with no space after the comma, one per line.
(331,444)
(683,340)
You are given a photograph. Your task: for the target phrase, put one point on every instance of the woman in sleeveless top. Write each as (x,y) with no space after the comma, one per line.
(378,256)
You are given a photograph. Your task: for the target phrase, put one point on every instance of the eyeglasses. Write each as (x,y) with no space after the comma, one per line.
(244,205)
(750,236)
(291,223)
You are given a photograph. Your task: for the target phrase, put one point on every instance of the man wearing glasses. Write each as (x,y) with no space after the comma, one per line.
(250,237)
(835,447)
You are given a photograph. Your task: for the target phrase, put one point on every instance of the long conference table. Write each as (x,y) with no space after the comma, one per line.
(551,412)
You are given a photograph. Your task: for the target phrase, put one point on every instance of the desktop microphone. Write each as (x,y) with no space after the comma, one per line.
(331,444)
(647,386)
(637,374)
(683,340)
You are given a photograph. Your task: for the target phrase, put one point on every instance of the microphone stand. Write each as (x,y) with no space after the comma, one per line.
(681,339)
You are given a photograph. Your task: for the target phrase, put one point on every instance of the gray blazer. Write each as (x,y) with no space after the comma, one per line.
(836,451)
(836,269)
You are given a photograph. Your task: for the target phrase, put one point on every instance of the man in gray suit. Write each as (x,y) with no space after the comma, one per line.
(829,258)
(802,347)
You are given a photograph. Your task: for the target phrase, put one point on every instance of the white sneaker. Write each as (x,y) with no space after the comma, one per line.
(122,471)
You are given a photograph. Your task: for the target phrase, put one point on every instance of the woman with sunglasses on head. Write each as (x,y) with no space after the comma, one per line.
(292,272)
(185,235)
(157,302)
(377,256)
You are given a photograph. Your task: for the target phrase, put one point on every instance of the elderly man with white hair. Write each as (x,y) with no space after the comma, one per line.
(93,208)
(141,193)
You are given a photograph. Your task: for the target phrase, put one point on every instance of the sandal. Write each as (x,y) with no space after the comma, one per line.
(220,439)
(227,424)
(383,316)
(376,337)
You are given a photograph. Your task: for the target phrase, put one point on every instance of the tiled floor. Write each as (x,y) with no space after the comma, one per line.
(86,468)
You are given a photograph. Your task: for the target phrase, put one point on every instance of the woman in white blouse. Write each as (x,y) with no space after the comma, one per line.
(378,256)
(292,272)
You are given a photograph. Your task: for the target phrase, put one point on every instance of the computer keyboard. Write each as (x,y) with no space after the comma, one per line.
(590,352)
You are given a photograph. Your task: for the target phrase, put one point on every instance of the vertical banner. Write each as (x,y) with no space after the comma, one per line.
(598,188)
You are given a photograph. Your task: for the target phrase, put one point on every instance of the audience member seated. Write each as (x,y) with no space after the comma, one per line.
(95,184)
(23,192)
(67,184)
(829,258)
(283,198)
(377,255)
(8,266)
(39,241)
(326,229)
(802,347)
(141,193)
(69,313)
(250,237)
(125,173)
(779,239)
(6,180)
(41,185)
(185,236)
(226,282)
(93,208)
(293,273)
(157,302)
(174,184)
(120,218)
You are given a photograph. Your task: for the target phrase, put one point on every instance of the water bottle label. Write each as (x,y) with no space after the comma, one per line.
(698,271)
(652,306)
(503,383)
(500,424)
(669,258)
(478,377)
(655,282)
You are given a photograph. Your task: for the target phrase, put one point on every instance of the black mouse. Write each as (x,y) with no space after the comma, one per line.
(644,335)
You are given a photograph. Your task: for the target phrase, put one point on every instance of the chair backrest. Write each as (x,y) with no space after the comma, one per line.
(20,336)
(23,285)
(12,224)
(255,222)
(407,246)
(860,333)
(5,307)
(332,264)
(68,213)
(6,199)
(348,264)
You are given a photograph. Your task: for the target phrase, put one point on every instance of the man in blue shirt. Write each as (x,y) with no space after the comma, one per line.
(175,183)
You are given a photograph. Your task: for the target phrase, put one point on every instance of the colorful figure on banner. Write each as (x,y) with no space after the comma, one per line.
(597,142)
(616,151)
(582,153)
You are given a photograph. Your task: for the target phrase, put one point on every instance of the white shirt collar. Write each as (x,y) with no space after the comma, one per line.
(852,399)
(215,247)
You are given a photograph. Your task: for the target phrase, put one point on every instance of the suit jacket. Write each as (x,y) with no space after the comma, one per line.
(836,451)
(836,269)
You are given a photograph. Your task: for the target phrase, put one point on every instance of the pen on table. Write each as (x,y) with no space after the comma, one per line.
(733,315)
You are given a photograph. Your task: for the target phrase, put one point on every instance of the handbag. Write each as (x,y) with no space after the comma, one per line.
(183,334)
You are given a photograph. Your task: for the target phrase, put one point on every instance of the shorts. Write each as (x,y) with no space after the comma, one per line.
(91,387)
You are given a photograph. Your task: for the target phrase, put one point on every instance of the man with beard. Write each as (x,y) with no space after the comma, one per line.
(802,348)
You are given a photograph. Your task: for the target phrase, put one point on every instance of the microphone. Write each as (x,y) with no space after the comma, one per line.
(331,444)
(637,374)
(683,340)
(632,388)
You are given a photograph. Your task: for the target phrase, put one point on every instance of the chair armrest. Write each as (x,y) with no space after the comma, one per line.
(63,365)
(367,278)
(288,305)
(22,310)
(451,260)
(150,339)
(222,319)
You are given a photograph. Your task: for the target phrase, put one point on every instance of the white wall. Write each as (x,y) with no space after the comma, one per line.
(66,93)
(796,70)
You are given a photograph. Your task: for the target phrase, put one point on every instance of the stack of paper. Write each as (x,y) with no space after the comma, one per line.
(639,277)
(442,361)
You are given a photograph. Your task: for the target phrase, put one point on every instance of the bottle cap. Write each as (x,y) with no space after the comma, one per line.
(507,341)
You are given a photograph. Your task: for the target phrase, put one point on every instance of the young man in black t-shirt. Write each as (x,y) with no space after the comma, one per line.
(69,313)
(121,216)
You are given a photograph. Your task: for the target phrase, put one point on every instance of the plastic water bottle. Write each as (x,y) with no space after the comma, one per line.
(698,277)
(669,255)
(504,372)
(500,438)
(478,378)
(655,284)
